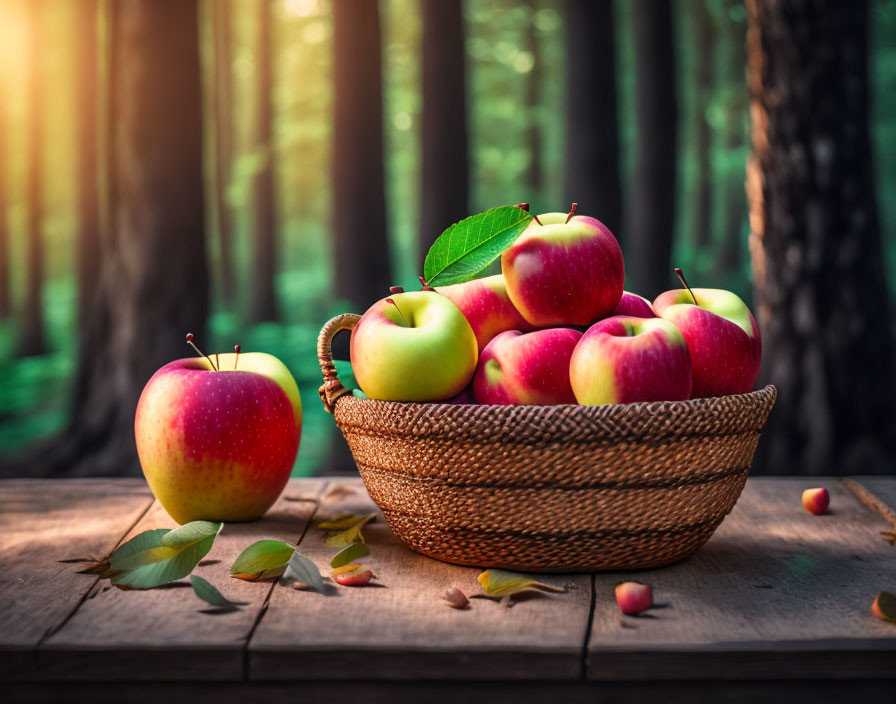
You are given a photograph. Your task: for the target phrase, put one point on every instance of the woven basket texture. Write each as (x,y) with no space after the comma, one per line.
(550,488)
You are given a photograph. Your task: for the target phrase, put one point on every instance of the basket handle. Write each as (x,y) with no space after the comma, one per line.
(332,389)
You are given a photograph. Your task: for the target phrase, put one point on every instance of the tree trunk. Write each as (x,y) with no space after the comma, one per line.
(223,126)
(360,244)
(592,137)
(31,340)
(263,301)
(820,289)
(5,283)
(535,170)
(735,200)
(705,30)
(648,242)
(444,192)
(154,285)
(88,243)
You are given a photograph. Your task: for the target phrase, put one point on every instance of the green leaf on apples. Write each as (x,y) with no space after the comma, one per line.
(156,557)
(349,554)
(301,570)
(262,556)
(208,593)
(466,248)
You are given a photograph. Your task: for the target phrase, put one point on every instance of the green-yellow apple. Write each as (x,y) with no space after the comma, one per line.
(414,346)
(723,339)
(633,305)
(624,359)
(219,445)
(564,270)
(486,306)
(526,368)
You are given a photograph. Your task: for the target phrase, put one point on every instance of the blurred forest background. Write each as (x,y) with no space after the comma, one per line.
(245,169)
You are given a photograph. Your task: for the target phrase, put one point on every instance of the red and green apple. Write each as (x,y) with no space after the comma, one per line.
(633,305)
(414,346)
(625,359)
(526,368)
(219,445)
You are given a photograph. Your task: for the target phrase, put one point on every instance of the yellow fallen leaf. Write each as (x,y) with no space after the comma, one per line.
(504,583)
(351,534)
(346,520)
(345,568)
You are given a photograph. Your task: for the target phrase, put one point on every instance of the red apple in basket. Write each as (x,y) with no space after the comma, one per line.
(219,443)
(633,305)
(624,359)
(526,368)
(723,339)
(565,269)
(414,346)
(486,306)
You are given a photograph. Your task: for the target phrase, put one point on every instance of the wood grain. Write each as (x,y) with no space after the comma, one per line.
(169,633)
(776,592)
(400,628)
(43,521)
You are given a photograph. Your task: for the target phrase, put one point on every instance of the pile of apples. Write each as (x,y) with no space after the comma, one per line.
(555,327)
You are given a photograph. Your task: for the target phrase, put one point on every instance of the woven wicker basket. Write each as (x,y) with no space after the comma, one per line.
(549,488)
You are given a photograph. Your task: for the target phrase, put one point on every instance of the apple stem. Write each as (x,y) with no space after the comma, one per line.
(392,301)
(236,348)
(424,286)
(572,211)
(200,352)
(535,217)
(523,206)
(681,278)
(396,289)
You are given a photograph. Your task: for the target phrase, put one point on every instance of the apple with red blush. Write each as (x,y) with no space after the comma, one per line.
(634,306)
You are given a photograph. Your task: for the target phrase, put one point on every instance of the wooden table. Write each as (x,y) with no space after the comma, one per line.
(776,594)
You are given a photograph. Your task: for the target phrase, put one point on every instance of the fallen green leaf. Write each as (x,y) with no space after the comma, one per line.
(301,570)
(342,522)
(263,556)
(466,248)
(207,592)
(350,534)
(504,583)
(350,553)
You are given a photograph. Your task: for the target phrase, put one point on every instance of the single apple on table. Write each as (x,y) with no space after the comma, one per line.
(625,359)
(414,346)
(526,368)
(722,336)
(565,269)
(486,306)
(633,305)
(217,441)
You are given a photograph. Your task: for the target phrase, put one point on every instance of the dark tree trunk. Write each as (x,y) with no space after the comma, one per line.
(360,245)
(31,340)
(88,244)
(263,300)
(223,126)
(648,242)
(444,192)
(704,28)
(592,138)
(535,171)
(5,287)
(154,285)
(820,290)
(736,106)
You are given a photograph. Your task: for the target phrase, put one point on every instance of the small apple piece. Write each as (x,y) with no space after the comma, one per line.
(625,360)
(722,336)
(633,598)
(486,306)
(414,346)
(634,306)
(816,501)
(219,445)
(884,606)
(526,368)
(358,577)
(564,269)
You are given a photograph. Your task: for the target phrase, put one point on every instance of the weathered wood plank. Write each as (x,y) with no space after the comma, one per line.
(776,593)
(400,628)
(169,633)
(43,521)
